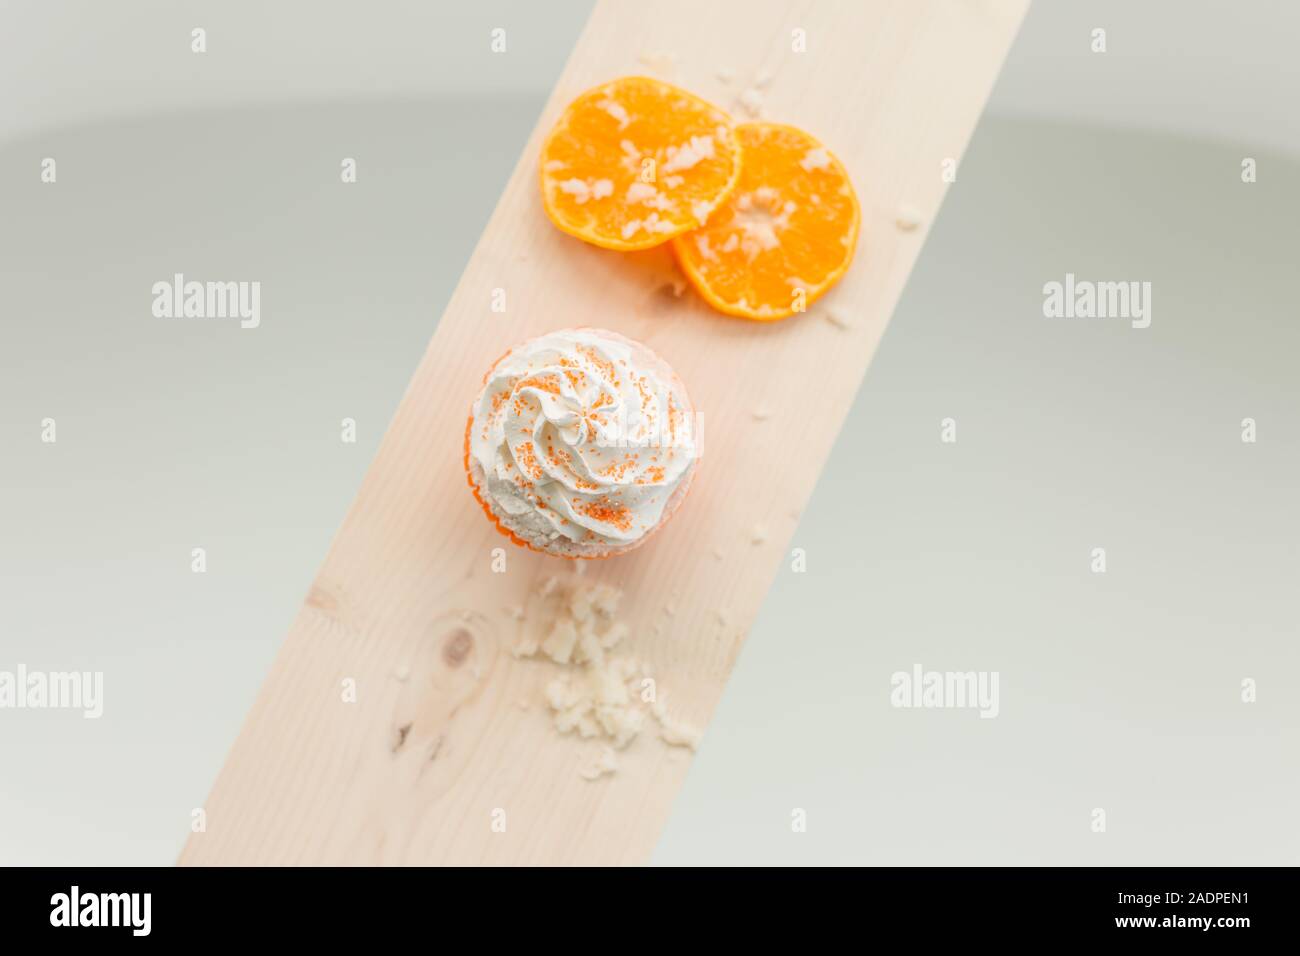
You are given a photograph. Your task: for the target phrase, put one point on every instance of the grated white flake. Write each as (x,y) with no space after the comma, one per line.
(559,644)
(665,64)
(701,209)
(596,696)
(763,78)
(576,188)
(596,701)
(524,649)
(401,672)
(604,599)
(548,586)
(908,218)
(839,318)
(815,159)
(582,191)
(616,110)
(672,731)
(718,554)
(640,192)
(725,75)
(607,762)
(761,414)
(580,605)
(699,148)
(758,534)
(679,735)
(759,236)
(751,101)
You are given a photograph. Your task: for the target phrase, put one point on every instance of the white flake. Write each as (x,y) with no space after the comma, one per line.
(616,110)
(685,157)
(815,159)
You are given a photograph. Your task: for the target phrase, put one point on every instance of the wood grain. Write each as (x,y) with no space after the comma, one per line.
(417,770)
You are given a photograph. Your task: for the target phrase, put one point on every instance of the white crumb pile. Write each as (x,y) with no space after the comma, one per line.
(598,696)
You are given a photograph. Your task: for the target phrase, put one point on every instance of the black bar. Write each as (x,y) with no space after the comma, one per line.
(650,907)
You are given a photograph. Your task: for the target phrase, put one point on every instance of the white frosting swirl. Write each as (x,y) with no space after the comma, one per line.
(583,434)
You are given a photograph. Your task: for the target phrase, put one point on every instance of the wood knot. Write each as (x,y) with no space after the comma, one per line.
(456,649)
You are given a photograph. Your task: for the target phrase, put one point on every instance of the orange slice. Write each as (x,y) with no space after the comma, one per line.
(635,162)
(786,234)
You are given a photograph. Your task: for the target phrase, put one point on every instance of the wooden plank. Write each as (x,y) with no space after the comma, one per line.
(894,87)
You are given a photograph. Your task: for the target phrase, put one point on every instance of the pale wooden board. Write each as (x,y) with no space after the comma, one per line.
(893,87)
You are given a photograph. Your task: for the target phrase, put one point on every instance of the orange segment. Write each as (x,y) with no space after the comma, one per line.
(635,162)
(786,234)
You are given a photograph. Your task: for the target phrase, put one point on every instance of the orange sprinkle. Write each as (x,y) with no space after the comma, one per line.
(651,475)
(606,366)
(616,515)
(545,383)
(524,455)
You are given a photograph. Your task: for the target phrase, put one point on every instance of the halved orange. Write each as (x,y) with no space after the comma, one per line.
(785,235)
(634,162)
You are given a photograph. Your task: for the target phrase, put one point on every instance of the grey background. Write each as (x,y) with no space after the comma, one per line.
(1118,691)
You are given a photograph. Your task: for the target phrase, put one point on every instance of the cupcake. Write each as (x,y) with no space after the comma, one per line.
(581,443)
